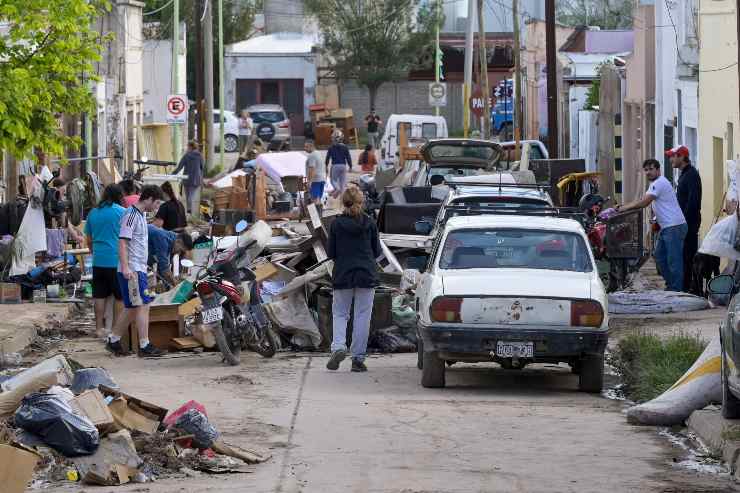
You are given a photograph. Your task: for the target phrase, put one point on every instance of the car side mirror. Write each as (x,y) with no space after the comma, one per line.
(423,227)
(723,284)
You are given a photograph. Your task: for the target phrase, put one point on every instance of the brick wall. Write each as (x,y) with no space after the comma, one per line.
(411,97)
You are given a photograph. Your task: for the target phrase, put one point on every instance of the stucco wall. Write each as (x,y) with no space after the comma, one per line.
(270,67)
(718,100)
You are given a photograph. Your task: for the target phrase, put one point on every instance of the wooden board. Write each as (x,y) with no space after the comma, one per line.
(163,313)
(264,271)
(182,343)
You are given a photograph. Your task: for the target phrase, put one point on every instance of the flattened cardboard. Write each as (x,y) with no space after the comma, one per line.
(16,468)
(92,404)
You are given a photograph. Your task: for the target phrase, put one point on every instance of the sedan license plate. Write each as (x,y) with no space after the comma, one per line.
(515,349)
(213,315)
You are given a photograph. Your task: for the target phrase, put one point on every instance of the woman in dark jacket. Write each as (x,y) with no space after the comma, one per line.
(354,246)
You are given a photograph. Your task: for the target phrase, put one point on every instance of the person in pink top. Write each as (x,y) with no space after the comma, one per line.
(130,196)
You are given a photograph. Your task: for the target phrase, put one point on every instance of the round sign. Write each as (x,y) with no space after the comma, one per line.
(437,90)
(176,106)
(266,131)
(476,103)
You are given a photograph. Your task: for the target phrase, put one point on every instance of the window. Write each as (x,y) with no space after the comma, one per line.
(267,117)
(515,248)
(429,130)
(441,151)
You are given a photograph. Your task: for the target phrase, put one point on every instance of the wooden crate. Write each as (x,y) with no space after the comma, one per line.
(10,292)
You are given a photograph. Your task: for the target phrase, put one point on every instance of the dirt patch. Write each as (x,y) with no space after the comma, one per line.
(235,380)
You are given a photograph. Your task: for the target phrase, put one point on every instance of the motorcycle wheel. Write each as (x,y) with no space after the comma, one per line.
(267,346)
(223,333)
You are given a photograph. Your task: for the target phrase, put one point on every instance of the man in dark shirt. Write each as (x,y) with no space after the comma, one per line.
(373,122)
(340,159)
(689,199)
(192,164)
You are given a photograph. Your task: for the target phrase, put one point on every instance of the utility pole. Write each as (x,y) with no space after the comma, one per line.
(467,87)
(208,147)
(486,130)
(552,83)
(199,70)
(436,51)
(176,139)
(518,112)
(221,105)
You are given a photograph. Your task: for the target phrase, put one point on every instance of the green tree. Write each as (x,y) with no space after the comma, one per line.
(238,26)
(606,14)
(45,48)
(375,41)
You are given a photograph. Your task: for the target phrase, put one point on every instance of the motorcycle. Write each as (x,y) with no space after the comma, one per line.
(236,324)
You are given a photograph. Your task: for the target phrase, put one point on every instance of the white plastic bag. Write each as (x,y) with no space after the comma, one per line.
(720,240)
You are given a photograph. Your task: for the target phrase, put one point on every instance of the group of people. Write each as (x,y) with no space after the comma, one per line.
(338,161)
(123,245)
(678,216)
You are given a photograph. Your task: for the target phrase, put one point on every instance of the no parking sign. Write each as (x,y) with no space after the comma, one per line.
(177,108)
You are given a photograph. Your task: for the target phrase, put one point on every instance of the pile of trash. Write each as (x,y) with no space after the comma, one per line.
(58,424)
(293,280)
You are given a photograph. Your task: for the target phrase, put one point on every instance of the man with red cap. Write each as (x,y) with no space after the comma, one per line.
(689,199)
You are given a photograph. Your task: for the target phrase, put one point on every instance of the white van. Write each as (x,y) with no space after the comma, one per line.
(419,129)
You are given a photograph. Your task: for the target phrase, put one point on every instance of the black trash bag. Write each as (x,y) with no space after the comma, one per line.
(90,378)
(391,340)
(49,417)
(195,423)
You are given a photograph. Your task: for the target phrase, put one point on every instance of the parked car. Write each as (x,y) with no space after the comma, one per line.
(271,123)
(454,158)
(514,289)
(537,150)
(726,286)
(419,130)
(231,130)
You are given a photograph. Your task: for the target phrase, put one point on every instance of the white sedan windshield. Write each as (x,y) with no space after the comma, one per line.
(515,248)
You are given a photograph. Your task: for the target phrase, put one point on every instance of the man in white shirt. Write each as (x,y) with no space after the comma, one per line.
(673,228)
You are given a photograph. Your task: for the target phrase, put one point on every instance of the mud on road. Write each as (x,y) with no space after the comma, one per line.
(491,430)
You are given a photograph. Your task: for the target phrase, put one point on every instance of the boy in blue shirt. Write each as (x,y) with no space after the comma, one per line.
(163,245)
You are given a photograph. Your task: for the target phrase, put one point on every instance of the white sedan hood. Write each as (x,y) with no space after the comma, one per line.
(538,283)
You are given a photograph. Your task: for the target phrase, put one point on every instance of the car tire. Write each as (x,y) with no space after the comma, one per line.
(730,403)
(420,354)
(231,143)
(433,371)
(591,377)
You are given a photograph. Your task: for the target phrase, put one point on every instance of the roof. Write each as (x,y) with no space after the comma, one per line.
(514,221)
(524,193)
(275,44)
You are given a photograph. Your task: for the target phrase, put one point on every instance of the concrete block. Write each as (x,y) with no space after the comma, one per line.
(720,435)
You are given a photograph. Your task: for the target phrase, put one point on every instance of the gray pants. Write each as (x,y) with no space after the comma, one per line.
(341,303)
(192,200)
(338,176)
(372,139)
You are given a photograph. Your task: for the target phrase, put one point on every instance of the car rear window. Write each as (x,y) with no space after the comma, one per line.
(441,151)
(515,248)
(452,172)
(267,116)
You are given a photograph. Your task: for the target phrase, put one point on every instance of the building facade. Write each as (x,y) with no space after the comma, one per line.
(719,124)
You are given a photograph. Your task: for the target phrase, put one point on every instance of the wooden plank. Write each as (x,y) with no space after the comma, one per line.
(163,313)
(264,271)
(260,198)
(181,343)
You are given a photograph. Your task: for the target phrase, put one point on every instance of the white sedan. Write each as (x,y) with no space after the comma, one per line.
(514,289)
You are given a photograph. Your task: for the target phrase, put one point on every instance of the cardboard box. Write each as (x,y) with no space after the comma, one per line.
(265,271)
(342,113)
(131,413)
(92,404)
(16,468)
(115,462)
(10,292)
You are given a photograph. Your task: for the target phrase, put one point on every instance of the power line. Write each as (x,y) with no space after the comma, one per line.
(159,9)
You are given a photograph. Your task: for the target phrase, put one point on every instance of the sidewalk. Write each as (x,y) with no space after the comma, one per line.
(20,323)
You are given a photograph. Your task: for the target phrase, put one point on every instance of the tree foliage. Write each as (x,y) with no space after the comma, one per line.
(45,48)
(238,26)
(374,41)
(606,14)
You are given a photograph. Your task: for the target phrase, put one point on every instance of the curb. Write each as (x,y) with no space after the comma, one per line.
(14,338)
(720,435)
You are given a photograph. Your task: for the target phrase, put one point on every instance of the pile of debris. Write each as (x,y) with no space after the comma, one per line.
(58,424)
(293,284)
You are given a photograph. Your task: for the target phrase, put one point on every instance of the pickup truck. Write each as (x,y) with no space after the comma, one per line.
(515,290)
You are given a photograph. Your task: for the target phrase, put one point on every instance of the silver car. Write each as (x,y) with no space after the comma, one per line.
(270,122)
